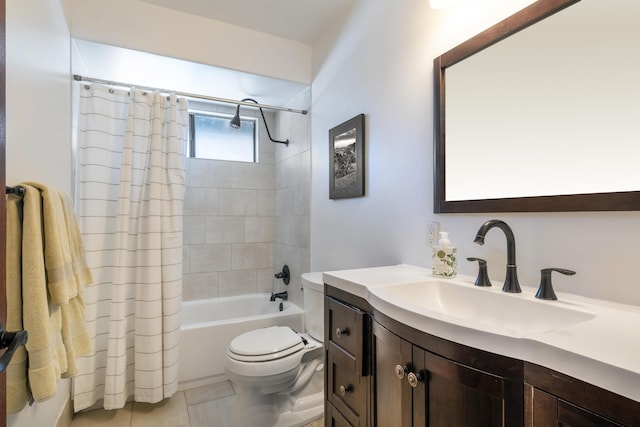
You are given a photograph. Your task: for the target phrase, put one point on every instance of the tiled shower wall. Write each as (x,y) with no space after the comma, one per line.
(293,197)
(236,236)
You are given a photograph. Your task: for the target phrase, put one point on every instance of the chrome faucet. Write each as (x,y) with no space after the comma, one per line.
(511,280)
(282,295)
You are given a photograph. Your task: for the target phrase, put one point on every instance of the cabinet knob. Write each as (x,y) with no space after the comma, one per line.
(401,371)
(340,332)
(344,390)
(414,379)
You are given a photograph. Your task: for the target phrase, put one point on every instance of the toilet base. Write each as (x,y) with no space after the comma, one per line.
(301,415)
(254,409)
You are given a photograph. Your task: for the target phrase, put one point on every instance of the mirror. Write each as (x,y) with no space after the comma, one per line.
(544,117)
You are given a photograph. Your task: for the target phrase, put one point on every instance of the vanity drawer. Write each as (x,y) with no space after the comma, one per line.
(346,389)
(333,418)
(346,326)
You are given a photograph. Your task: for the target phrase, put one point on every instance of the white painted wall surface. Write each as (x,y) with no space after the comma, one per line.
(154,29)
(38,94)
(38,126)
(380,63)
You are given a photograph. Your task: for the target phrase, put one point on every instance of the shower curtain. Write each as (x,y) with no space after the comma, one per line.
(130,193)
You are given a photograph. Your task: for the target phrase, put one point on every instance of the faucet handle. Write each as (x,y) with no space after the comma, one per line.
(483,276)
(545,291)
(285,275)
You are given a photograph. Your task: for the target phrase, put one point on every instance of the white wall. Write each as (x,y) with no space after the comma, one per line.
(38,125)
(380,63)
(155,29)
(38,100)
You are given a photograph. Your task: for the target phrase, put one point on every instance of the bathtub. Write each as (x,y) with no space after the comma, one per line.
(208,326)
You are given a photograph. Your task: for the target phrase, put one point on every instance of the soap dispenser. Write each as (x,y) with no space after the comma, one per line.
(444,257)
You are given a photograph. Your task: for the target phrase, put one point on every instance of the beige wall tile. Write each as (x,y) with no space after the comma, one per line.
(251,255)
(237,202)
(209,173)
(199,286)
(225,229)
(194,229)
(258,229)
(264,280)
(265,202)
(201,201)
(208,258)
(237,282)
(251,175)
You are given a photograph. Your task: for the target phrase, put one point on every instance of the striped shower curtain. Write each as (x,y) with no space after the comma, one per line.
(129,196)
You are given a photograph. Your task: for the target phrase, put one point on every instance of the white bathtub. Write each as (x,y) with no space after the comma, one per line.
(208,326)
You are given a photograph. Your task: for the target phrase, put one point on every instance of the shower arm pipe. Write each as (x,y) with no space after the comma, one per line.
(80,78)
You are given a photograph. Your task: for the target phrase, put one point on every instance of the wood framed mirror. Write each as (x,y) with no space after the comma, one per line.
(551,95)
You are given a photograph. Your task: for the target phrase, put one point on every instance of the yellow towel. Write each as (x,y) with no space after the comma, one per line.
(74,334)
(57,256)
(17,393)
(74,329)
(46,269)
(78,260)
(41,320)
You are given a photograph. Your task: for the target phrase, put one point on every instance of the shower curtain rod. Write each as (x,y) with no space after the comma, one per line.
(79,78)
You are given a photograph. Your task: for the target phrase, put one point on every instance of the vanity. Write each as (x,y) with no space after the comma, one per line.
(406,349)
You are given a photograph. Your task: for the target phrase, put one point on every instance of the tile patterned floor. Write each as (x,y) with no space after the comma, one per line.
(208,406)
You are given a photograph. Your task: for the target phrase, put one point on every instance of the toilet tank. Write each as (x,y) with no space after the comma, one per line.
(313,290)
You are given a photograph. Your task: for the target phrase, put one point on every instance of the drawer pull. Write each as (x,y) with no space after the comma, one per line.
(344,390)
(401,371)
(414,379)
(340,332)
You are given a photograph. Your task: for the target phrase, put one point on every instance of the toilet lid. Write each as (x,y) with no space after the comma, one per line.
(265,344)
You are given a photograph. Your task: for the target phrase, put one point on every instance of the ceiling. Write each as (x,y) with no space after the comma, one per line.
(298,20)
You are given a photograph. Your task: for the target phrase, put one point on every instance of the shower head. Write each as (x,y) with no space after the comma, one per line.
(235,122)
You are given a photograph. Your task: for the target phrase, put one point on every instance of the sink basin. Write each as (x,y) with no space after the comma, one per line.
(487,309)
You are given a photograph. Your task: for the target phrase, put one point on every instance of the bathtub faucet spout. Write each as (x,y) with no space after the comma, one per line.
(282,295)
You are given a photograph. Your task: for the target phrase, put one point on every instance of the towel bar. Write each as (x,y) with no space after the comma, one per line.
(18,189)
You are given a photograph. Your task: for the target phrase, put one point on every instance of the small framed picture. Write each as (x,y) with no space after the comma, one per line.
(346,154)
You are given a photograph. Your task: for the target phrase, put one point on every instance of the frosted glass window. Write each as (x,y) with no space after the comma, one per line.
(211,137)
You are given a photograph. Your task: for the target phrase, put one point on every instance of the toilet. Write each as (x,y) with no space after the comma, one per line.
(278,372)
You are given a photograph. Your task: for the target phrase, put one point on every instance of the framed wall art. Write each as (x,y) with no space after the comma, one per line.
(346,159)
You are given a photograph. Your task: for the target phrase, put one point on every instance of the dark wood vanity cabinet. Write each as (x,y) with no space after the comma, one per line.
(380,372)
(347,373)
(415,387)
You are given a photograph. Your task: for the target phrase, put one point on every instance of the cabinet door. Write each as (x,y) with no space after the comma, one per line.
(546,410)
(568,401)
(457,395)
(392,393)
(541,409)
(571,415)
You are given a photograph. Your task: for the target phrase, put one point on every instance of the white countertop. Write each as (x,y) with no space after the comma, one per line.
(603,351)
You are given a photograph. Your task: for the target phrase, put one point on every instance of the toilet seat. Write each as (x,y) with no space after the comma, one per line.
(262,345)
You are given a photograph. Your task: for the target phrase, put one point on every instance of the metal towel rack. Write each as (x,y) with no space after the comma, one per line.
(18,189)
